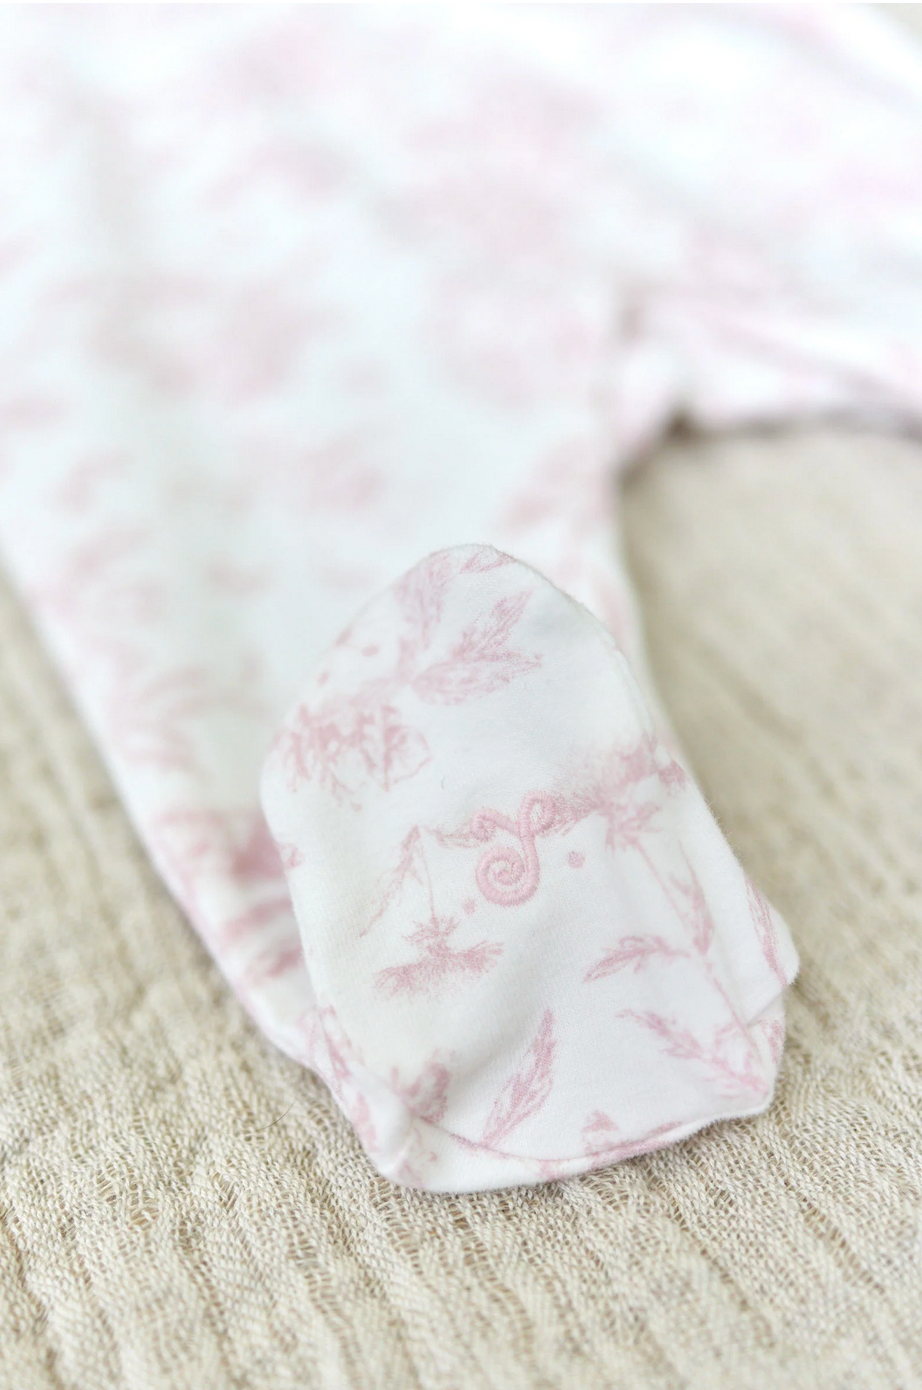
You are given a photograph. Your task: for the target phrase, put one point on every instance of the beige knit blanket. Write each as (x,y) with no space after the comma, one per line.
(180,1206)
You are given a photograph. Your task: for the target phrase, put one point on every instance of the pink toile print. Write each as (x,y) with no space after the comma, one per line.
(437,962)
(340,435)
(474,936)
(525,1093)
(634,952)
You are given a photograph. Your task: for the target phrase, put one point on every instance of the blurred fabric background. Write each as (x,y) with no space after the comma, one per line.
(181,1206)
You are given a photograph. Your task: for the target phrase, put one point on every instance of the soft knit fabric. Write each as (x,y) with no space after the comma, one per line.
(299,302)
(531,949)
(183,1206)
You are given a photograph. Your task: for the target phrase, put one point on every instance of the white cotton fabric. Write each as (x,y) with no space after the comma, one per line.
(530,946)
(293,299)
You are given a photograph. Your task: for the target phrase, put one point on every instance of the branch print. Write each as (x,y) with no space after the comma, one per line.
(411,865)
(692,907)
(609,787)
(360,735)
(421,595)
(437,961)
(681,1043)
(153,719)
(527,1091)
(481,661)
(238,843)
(765,930)
(602,1145)
(636,952)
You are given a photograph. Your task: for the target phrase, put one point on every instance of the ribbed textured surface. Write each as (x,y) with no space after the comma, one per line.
(182,1207)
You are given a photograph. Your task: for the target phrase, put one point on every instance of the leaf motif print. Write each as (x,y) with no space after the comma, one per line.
(85,480)
(416,1161)
(255,919)
(421,595)
(274,962)
(615,788)
(480,662)
(528,1090)
(613,791)
(411,865)
(692,907)
(258,857)
(765,931)
(602,1145)
(682,1044)
(364,734)
(636,951)
(234,842)
(599,1133)
(311,749)
(486,558)
(437,961)
(773,1031)
(290,855)
(679,1042)
(95,592)
(673,776)
(325,1028)
(337,1060)
(610,787)
(335,476)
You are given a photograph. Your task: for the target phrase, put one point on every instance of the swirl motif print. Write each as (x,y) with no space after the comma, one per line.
(506,875)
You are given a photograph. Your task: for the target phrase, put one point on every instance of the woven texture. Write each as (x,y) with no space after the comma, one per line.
(182,1206)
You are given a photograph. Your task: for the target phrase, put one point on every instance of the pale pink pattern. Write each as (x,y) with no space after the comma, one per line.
(527,1091)
(658,899)
(508,876)
(311,308)
(635,952)
(354,734)
(480,661)
(427,1097)
(767,930)
(437,960)
(679,1041)
(603,1147)
(236,842)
